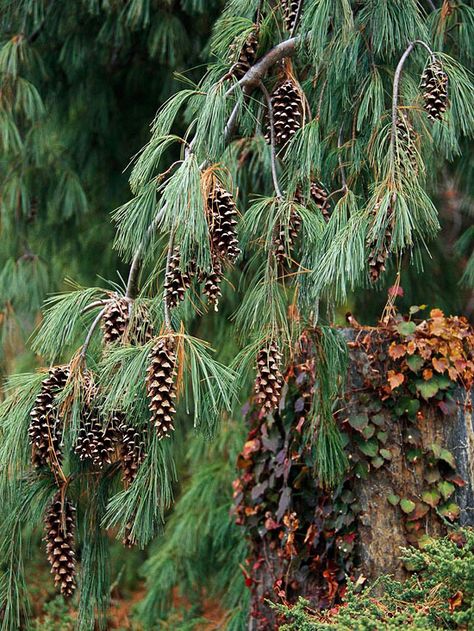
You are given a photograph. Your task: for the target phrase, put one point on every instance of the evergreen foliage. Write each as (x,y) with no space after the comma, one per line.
(439,595)
(322,104)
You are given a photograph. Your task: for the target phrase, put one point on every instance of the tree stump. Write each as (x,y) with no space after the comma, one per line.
(409,437)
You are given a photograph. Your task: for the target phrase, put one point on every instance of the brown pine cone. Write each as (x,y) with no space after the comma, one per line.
(176,281)
(269,380)
(132,450)
(287,107)
(59,537)
(246,56)
(222,220)
(161,385)
(115,320)
(45,430)
(434,87)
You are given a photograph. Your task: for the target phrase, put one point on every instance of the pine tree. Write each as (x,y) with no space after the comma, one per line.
(330,98)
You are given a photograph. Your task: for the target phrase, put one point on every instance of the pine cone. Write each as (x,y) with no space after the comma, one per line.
(320,197)
(406,140)
(212,283)
(434,86)
(286,238)
(287,112)
(45,431)
(115,320)
(161,386)
(246,57)
(95,443)
(59,529)
(290,11)
(378,254)
(176,281)
(132,451)
(269,380)
(222,219)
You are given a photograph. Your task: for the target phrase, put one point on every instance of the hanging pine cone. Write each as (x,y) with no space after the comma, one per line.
(161,385)
(379,252)
(95,443)
(434,86)
(222,219)
(320,197)
(115,320)
(59,529)
(285,239)
(246,57)
(45,431)
(132,451)
(290,11)
(287,107)
(176,281)
(406,141)
(212,283)
(269,380)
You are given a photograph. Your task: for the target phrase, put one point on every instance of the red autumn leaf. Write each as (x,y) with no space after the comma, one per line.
(436,313)
(427,374)
(455,601)
(397,350)
(251,446)
(395,290)
(440,365)
(395,379)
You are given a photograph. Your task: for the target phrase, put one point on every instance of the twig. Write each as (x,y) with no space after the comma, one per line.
(166,307)
(339,157)
(93,305)
(272,140)
(90,333)
(396,88)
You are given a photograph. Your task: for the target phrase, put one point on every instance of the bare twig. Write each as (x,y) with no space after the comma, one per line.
(90,333)
(93,305)
(268,99)
(339,157)
(166,307)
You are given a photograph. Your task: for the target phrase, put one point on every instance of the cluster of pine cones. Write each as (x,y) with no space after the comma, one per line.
(221,213)
(97,443)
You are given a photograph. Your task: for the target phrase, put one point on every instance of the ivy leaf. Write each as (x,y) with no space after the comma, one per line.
(450,510)
(406,328)
(393,499)
(427,389)
(446,489)
(415,362)
(448,457)
(431,497)
(377,462)
(368,431)
(407,505)
(397,350)
(359,421)
(395,379)
(369,448)
(386,453)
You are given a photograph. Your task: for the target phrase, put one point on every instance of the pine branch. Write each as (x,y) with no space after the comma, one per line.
(272,139)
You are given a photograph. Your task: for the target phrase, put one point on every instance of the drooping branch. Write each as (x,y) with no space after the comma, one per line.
(90,333)
(250,80)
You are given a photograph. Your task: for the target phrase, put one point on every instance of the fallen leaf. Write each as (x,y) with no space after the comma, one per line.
(395,379)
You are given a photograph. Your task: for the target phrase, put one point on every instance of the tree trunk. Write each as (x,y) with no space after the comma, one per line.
(382,526)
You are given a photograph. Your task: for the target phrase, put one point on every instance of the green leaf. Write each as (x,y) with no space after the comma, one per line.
(369,448)
(413,454)
(368,431)
(448,457)
(386,453)
(450,510)
(407,505)
(406,328)
(431,497)
(393,499)
(446,489)
(427,389)
(382,437)
(377,462)
(359,421)
(415,362)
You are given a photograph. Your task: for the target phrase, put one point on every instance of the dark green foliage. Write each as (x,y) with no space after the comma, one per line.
(439,595)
